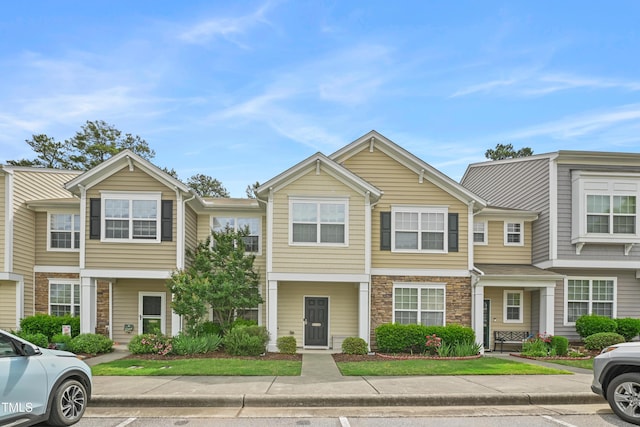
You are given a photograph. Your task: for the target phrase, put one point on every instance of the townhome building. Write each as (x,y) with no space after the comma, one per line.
(587,227)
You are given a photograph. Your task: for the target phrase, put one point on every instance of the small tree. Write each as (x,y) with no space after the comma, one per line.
(206,186)
(220,276)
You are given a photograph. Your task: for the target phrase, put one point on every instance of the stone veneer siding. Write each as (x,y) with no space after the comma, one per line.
(457,297)
(42,297)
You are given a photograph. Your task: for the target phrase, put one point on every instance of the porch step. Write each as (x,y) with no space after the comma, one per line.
(319,366)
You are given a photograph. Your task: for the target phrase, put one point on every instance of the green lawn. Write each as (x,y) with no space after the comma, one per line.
(584,363)
(481,366)
(217,366)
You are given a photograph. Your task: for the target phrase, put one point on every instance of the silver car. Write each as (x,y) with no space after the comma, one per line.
(616,377)
(38,384)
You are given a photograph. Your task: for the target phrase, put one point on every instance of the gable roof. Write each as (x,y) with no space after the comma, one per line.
(125,158)
(320,162)
(421,168)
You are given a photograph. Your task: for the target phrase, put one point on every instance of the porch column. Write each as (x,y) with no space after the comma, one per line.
(87,305)
(176,321)
(477,309)
(363,312)
(547,296)
(272,314)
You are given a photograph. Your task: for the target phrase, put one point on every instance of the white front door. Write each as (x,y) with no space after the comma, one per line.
(152,312)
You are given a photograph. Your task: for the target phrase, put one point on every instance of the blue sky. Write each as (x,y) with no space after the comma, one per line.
(243,90)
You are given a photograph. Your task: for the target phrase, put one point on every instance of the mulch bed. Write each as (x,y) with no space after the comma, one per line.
(382,357)
(522,356)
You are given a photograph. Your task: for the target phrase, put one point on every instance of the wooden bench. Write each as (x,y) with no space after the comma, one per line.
(508,337)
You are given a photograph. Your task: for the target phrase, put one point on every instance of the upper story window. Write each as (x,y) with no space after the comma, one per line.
(318,221)
(251,226)
(419,229)
(64,232)
(611,214)
(480,233)
(131,217)
(513,233)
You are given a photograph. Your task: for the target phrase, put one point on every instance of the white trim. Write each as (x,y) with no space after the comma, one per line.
(470,248)
(419,210)
(318,201)
(272,314)
(364,311)
(522,283)
(64,281)
(12,277)
(110,310)
(420,286)
(8,221)
(507,232)
(127,274)
(270,232)
(553,209)
(317,277)
(19,302)
(56,269)
(130,196)
(163,309)
(418,272)
(485,240)
(367,234)
(304,329)
(72,231)
(83,226)
(570,263)
(505,306)
(565,308)
(180,228)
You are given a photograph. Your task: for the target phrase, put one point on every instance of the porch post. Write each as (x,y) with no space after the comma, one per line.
(547,296)
(477,308)
(176,321)
(363,312)
(87,305)
(272,314)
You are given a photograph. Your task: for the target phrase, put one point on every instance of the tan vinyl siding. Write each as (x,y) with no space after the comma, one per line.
(318,258)
(3,181)
(495,252)
(496,295)
(401,187)
(191,228)
(31,185)
(134,256)
(204,226)
(125,306)
(8,305)
(343,308)
(46,257)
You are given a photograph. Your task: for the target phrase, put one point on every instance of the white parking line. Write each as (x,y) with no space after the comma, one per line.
(562,423)
(126,422)
(344,422)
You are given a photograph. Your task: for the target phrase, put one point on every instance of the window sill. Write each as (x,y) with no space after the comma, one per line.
(628,242)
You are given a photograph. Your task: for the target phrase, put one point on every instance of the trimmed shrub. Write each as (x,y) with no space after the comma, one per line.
(397,338)
(90,344)
(560,345)
(36,338)
(590,324)
(246,341)
(628,327)
(601,340)
(208,328)
(287,344)
(150,344)
(452,334)
(354,345)
(49,325)
(201,344)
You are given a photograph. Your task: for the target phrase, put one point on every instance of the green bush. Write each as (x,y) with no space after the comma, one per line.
(287,344)
(459,349)
(397,338)
(90,344)
(241,321)
(535,347)
(201,344)
(628,327)
(601,340)
(559,345)
(590,324)
(453,333)
(354,345)
(36,338)
(246,340)
(49,325)
(150,344)
(208,328)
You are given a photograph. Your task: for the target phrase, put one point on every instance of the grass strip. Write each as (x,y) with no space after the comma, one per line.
(215,366)
(580,363)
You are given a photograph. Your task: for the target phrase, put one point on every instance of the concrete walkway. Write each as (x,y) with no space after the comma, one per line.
(322,385)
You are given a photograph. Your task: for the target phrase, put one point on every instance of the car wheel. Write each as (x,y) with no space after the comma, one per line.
(69,403)
(623,395)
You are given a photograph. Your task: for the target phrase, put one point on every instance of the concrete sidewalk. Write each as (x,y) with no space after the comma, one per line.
(321,385)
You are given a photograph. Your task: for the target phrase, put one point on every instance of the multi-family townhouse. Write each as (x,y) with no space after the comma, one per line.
(587,228)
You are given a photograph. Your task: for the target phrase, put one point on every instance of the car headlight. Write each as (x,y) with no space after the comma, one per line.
(608,349)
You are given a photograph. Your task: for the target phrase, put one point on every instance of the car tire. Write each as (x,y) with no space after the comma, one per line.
(623,395)
(69,403)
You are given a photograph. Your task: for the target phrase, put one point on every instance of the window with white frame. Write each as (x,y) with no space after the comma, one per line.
(64,297)
(64,232)
(419,304)
(250,226)
(319,221)
(589,296)
(131,217)
(419,229)
(480,233)
(607,214)
(513,234)
(512,306)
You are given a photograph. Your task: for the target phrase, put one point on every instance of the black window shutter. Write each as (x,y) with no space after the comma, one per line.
(453,232)
(385,231)
(94,219)
(166,223)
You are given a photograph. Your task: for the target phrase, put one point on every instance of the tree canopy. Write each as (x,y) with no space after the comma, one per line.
(506,151)
(206,186)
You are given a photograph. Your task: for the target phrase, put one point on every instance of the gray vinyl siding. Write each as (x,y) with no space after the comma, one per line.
(517,185)
(566,250)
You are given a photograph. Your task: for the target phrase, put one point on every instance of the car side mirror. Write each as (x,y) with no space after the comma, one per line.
(29,350)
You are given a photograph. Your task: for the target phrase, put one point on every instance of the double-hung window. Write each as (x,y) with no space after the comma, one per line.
(422,304)
(480,233)
(64,297)
(250,226)
(513,233)
(64,232)
(589,296)
(607,214)
(419,229)
(323,222)
(131,217)
(512,309)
